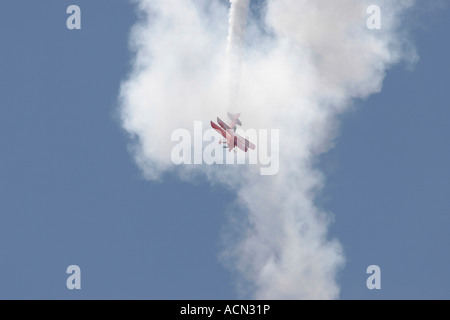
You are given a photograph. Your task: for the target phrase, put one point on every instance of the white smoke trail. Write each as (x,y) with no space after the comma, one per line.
(312,60)
(236,36)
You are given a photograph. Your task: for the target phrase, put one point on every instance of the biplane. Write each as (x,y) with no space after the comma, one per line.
(232,139)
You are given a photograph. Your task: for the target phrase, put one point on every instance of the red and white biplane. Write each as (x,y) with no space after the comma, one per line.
(229,133)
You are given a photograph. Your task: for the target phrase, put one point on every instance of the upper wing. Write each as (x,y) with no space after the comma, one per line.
(223,124)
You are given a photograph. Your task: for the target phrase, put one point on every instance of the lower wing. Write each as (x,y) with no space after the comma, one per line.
(244,144)
(219,129)
(231,140)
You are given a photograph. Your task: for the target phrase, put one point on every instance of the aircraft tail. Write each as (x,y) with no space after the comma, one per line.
(235,118)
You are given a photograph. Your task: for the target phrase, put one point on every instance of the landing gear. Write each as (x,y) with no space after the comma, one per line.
(224,144)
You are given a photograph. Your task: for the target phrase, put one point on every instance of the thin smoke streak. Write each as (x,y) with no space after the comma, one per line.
(235,40)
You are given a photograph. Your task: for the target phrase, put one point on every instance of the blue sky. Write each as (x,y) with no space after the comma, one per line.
(70,193)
